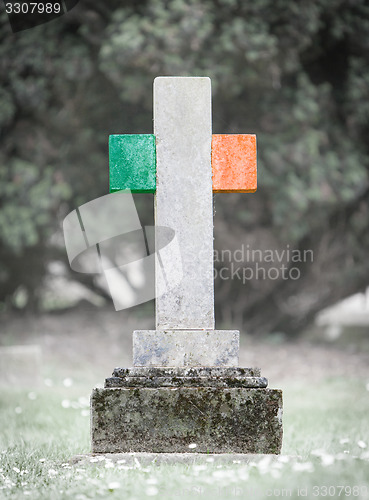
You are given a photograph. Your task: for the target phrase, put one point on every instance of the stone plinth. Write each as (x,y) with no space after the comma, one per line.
(185,348)
(215,416)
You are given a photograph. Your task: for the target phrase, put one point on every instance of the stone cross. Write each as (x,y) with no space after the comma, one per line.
(183,164)
(185,391)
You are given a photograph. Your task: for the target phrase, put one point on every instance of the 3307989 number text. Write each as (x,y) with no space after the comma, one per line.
(33,8)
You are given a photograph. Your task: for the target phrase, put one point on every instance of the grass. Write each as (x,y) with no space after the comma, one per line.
(325,425)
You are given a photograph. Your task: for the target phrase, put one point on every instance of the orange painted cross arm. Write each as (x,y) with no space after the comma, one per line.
(233,161)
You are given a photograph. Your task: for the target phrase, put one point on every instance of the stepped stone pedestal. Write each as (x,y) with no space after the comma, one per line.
(165,409)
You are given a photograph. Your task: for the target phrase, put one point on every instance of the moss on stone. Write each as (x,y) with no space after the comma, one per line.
(218,420)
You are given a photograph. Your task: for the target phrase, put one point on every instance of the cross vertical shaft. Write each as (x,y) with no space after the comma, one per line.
(183,200)
(185,332)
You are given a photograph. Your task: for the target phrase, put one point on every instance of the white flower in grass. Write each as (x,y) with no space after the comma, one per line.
(277,465)
(94,459)
(344,440)
(367,386)
(52,472)
(18,410)
(218,473)
(85,413)
(15,469)
(83,401)
(361,444)
(42,460)
(225,474)
(114,485)
(26,492)
(340,456)
(152,480)
(32,396)
(275,473)
(192,446)
(210,459)
(243,474)
(121,461)
(152,491)
(109,465)
(327,460)
(303,467)
(264,464)
(199,467)
(318,453)
(67,382)
(65,403)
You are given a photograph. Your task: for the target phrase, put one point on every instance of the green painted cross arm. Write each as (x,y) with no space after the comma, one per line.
(132,163)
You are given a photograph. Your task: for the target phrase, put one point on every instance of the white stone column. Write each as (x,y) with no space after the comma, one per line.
(185,334)
(184,198)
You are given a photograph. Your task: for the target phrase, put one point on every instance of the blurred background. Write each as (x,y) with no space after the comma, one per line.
(294,73)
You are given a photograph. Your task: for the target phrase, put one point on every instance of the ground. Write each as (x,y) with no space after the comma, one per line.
(326,403)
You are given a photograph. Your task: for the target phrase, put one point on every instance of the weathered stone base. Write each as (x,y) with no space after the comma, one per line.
(169,419)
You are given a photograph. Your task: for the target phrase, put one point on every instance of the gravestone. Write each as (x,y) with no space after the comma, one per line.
(185,391)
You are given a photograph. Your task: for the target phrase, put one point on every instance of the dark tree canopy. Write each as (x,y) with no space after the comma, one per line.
(294,73)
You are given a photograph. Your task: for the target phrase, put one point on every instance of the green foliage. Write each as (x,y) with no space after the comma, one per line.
(314,167)
(268,59)
(31,198)
(294,73)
